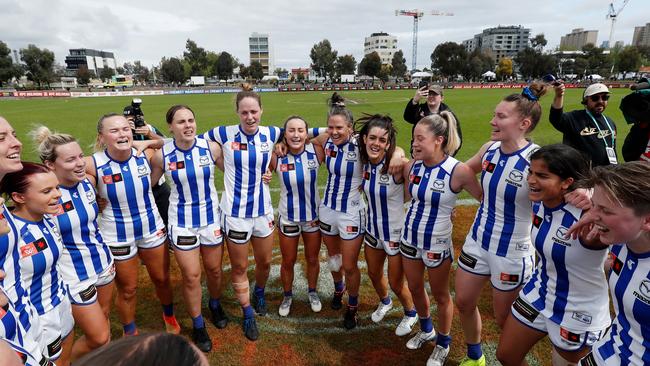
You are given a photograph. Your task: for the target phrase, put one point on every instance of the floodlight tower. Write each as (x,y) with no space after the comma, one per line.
(417,14)
(613,14)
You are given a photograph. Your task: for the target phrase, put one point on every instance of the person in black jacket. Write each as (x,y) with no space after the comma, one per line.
(587,130)
(415,111)
(636,110)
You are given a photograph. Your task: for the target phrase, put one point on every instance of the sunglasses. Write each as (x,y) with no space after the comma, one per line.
(432,93)
(597,97)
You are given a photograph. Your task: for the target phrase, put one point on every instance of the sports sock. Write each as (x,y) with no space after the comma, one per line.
(259,292)
(198,322)
(474,351)
(168,309)
(386,300)
(288,293)
(412,313)
(443,340)
(311,289)
(248,312)
(426,325)
(214,303)
(353,300)
(338,286)
(130,328)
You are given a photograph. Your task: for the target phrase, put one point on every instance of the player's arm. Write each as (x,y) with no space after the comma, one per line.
(320,152)
(217,154)
(397,161)
(91,170)
(464,178)
(475,163)
(156,161)
(406,171)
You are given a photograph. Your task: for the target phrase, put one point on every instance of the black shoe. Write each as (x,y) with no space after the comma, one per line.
(219,317)
(250,329)
(351,319)
(260,305)
(201,338)
(337,300)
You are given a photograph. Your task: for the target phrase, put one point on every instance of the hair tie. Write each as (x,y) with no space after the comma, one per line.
(529,94)
(339,104)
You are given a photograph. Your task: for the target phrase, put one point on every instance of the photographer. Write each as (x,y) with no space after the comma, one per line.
(636,110)
(144,131)
(432,95)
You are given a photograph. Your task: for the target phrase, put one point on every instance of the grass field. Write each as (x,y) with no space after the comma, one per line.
(302,338)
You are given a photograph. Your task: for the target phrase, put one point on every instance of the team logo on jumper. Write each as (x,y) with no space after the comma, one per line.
(113,178)
(643,293)
(488,166)
(560,235)
(351,155)
(537,221)
(617,264)
(264,147)
(238,146)
(311,164)
(204,160)
(438,186)
(515,177)
(67,206)
(384,179)
(581,317)
(366,175)
(33,248)
(125,168)
(415,179)
(331,153)
(90,196)
(175,165)
(142,171)
(287,167)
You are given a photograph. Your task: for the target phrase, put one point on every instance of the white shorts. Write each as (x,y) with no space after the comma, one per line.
(347,225)
(566,339)
(432,258)
(391,247)
(85,292)
(126,250)
(56,324)
(506,274)
(183,238)
(240,230)
(12,330)
(293,229)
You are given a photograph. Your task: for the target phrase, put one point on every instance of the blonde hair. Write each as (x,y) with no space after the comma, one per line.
(628,184)
(444,124)
(46,142)
(100,125)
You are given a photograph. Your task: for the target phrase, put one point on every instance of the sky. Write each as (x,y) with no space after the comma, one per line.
(147,30)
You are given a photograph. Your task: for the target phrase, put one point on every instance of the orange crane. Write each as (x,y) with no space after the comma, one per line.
(417,14)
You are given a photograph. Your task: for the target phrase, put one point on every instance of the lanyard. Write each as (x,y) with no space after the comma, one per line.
(600,132)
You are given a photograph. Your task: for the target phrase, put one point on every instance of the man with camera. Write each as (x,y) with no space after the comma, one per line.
(144,131)
(636,110)
(432,95)
(587,130)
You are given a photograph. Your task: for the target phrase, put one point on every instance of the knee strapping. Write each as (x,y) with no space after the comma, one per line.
(335,262)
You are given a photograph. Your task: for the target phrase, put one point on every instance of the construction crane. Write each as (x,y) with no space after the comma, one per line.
(613,14)
(417,14)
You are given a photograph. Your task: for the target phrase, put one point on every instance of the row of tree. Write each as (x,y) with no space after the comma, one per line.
(38,65)
(451,59)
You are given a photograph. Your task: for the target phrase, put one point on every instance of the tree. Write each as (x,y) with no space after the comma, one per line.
(83,75)
(398,64)
(212,58)
(256,70)
(106,73)
(597,62)
(370,65)
(345,64)
(140,73)
(224,68)
(196,57)
(384,72)
(8,70)
(450,58)
(504,68)
(629,59)
(323,59)
(534,64)
(171,70)
(477,64)
(39,64)
(538,42)
(244,71)
(281,72)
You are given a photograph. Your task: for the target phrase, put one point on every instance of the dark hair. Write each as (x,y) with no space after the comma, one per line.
(563,161)
(363,126)
(17,182)
(154,349)
(527,102)
(171,112)
(337,108)
(247,92)
(284,136)
(627,183)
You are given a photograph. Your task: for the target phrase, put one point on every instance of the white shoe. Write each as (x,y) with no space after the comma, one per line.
(285,307)
(420,339)
(314,302)
(406,325)
(381,311)
(438,356)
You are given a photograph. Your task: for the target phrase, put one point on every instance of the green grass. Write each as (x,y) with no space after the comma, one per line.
(304,338)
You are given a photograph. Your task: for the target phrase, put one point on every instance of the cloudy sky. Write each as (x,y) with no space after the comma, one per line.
(147,30)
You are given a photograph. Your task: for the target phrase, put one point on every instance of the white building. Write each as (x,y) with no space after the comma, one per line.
(499,42)
(260,49)
(578,38)
(384,44)
(94,60)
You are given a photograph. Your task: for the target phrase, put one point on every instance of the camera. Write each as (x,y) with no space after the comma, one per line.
(551,79)
(422,84)
(137,112)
